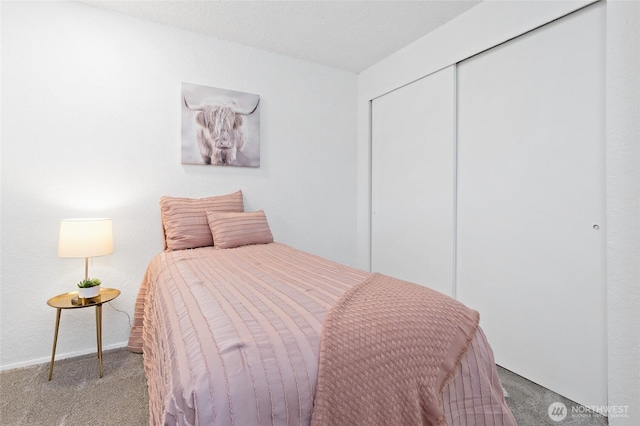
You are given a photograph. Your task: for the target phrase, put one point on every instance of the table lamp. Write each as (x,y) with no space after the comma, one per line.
(86,238)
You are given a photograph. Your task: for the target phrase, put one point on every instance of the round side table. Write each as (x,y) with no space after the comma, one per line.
(72,301)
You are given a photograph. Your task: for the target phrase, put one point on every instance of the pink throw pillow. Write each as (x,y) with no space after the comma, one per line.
(185,219)
(231,230)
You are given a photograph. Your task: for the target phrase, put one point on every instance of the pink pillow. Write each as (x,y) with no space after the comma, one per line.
(231,230)
(185,219)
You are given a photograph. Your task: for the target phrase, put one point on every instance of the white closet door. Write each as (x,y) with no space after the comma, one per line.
(413,182)
(531,218)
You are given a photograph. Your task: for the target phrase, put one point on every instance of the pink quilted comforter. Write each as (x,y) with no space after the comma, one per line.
(232,337)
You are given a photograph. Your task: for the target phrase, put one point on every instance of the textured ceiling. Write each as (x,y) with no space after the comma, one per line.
(348,35)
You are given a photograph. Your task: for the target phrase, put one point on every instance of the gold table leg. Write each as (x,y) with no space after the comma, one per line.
(55,342)
(99,335)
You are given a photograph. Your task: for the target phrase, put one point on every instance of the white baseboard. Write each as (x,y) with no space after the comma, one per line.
(60,356)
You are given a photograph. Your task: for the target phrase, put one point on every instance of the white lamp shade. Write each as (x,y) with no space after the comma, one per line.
(85,237)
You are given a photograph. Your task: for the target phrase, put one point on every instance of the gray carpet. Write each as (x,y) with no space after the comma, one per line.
(75,395)
(120,397)
(530,403)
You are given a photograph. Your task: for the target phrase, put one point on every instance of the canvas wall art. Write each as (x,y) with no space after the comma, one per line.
(220,127)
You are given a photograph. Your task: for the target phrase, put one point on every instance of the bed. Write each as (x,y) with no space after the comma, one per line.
(247,331)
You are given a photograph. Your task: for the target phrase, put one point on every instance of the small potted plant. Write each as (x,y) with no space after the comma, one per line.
(89,288)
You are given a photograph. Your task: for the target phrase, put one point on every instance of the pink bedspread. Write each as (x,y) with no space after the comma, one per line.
(232,337)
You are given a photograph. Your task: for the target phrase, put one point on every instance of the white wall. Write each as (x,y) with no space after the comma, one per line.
(623,205)
(91,127)
(487,25)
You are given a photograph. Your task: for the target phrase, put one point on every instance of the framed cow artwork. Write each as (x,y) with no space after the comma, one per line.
(220,127)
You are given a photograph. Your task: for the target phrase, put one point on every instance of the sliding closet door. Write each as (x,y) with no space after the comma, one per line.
(413,182)
(531,217)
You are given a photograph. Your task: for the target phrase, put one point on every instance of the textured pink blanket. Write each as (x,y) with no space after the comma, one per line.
(388,349)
